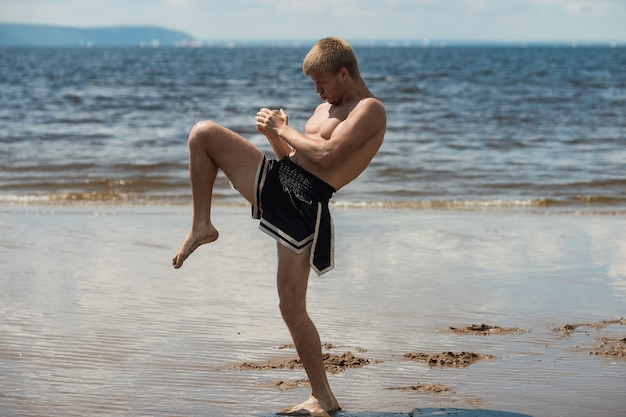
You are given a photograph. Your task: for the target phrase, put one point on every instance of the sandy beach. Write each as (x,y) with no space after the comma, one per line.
(427,313)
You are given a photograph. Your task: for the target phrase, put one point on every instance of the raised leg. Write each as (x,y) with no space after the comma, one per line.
(213,147)
(293,276)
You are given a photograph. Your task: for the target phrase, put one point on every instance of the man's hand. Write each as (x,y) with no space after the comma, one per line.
(269,122)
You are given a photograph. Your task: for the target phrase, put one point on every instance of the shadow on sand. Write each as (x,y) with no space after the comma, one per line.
(429,412)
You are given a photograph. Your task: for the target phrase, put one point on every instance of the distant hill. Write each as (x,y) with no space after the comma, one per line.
(41,35)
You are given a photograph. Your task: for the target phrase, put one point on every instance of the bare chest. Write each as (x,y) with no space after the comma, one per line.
(323,124)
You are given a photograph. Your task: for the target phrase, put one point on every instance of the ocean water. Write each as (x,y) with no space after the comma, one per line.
(538,128)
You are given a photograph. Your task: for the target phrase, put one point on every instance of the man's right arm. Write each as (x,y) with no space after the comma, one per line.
(366,120)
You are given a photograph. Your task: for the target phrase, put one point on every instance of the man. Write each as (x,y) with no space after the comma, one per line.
(290,195)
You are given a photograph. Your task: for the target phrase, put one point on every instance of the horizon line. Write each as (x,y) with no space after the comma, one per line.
(414,41)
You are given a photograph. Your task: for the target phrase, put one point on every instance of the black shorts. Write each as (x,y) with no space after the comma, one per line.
(292,205)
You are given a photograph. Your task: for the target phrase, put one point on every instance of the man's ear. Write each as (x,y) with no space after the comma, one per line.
(344,73)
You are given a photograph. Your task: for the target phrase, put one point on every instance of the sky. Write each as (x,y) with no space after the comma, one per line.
(463,20)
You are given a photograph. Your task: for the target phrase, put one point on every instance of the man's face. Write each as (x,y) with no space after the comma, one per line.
(328,86)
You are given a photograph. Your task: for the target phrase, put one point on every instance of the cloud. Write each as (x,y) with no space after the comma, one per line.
(590,8)
(180,4)
(581,8)
(544,4)
(478,5)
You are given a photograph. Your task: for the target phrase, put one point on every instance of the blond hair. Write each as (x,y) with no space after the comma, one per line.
(330,55)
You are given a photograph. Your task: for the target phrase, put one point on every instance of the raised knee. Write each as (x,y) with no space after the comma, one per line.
(201,131)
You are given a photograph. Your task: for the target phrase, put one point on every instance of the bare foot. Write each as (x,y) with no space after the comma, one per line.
(312,407)
(196,237)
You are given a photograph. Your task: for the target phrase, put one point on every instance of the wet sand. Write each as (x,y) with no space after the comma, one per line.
(427,313)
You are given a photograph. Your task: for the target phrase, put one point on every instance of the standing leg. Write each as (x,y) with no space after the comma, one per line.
(293,276)
(213,147)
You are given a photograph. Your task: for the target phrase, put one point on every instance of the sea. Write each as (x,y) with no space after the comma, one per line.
(469,127)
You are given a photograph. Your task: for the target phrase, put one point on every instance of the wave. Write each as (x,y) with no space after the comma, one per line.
(588,205)
(229,197)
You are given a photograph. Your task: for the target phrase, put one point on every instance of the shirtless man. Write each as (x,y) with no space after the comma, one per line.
(290,195)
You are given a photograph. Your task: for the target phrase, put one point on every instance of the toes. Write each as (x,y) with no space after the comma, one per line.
(177,261)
